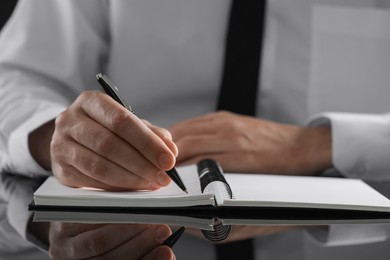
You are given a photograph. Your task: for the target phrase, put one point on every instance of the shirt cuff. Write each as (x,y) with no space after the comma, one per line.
(360,143)
(351,234)
(20,160)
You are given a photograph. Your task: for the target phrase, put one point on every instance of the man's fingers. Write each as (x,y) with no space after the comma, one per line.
(191,127)
(62,230)
(198,145)
(165,135)
(161,253)
(96,241)
(70,176)
(129,127)
(96,167)
(204,125)
(108,145)
(140,245)
(105,142)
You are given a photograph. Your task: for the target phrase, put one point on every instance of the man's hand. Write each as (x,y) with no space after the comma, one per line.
(110,241)
(98,143)
(247,144)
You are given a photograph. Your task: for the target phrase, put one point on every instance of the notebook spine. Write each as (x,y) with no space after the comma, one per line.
(210,171)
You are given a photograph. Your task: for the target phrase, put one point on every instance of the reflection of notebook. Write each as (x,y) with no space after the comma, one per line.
(257,199)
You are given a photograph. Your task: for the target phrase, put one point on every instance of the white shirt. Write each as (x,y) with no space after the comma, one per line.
(166,57)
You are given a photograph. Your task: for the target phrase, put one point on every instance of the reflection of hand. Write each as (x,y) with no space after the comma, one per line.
(98,143)
(247,144)
(111,241)
(242,232)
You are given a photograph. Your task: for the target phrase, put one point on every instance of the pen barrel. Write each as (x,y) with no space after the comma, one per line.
(174,175)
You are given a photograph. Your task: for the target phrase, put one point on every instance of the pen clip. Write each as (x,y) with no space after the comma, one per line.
(112,90)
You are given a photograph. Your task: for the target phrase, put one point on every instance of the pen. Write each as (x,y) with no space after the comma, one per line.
(111,90)
(172,239)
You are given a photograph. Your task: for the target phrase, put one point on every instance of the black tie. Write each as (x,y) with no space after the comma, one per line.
(238,91)
(239,86)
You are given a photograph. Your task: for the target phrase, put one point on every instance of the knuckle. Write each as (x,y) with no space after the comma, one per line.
(94,244)
(236,126)
(55,145)
(105,143)
(146,122)
(97,169)
(119,119)
(165,133)
(221,112)
(62,119)
(86,95)
(60,152)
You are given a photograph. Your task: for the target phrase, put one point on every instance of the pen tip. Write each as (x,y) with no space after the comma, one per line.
(186,191)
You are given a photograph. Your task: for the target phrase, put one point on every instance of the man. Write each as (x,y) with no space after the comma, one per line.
(167,59)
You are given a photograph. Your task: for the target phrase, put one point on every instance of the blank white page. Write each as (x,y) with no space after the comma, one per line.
(309,192)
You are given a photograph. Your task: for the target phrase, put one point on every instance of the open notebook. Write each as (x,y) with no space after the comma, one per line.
(214,197)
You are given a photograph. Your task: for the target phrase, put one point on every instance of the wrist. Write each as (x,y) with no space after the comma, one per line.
(314,149)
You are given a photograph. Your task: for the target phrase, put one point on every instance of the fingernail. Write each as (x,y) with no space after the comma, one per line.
(165,160)
(161,234)
(163,179)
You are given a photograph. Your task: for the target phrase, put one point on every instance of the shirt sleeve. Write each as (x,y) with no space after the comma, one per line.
(360,149)
(360,144)
(50,51)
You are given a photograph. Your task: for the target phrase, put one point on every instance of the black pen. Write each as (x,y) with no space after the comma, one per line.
(172,239)
(113,92)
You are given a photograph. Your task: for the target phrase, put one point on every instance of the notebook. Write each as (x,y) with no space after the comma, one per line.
(216,200)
